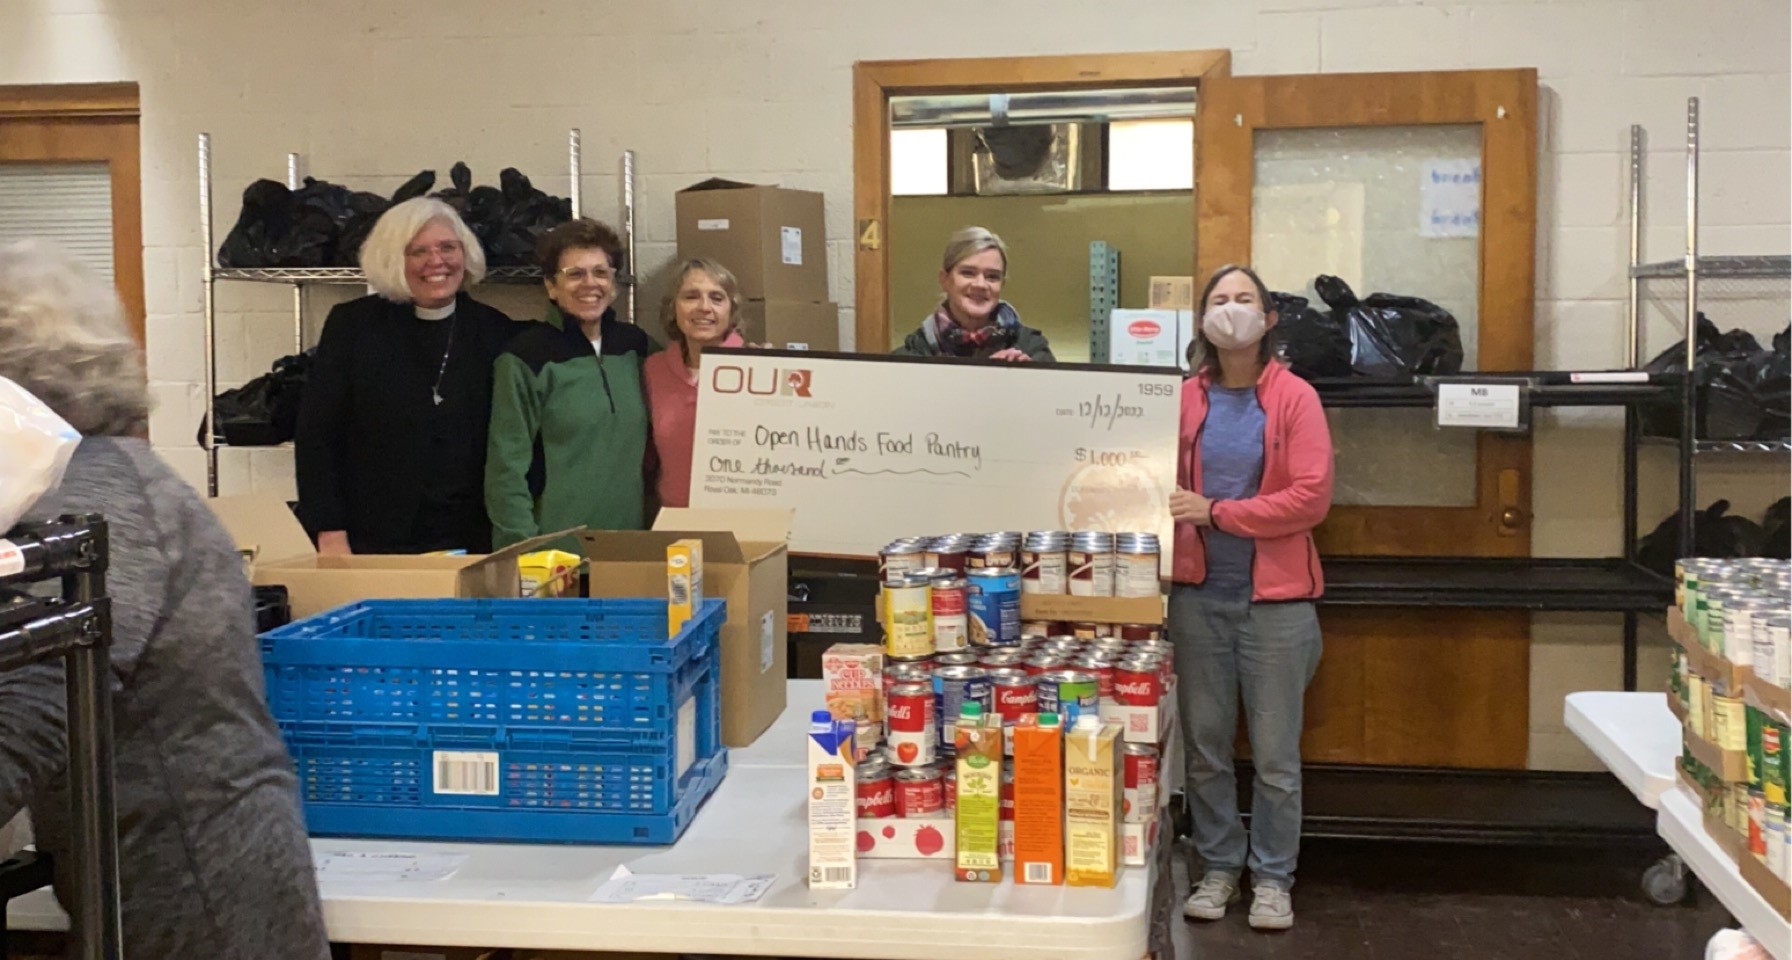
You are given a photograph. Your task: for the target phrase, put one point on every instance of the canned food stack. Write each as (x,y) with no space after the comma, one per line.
(1728,683)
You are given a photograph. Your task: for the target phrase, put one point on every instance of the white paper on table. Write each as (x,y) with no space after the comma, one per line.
(382,867)
(626,886)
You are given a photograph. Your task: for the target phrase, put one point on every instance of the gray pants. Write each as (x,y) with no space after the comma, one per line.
(1269,651)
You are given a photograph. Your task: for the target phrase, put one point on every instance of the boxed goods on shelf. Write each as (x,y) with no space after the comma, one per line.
(526,720)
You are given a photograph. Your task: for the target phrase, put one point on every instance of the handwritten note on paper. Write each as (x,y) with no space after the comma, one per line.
(626,886)
(380,867)
(865,445)
(1450,198)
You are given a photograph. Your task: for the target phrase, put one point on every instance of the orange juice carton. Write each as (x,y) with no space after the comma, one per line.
(833,863)
(684,582)
(1039,799)
(978,739)
(1092,801)
(854,675)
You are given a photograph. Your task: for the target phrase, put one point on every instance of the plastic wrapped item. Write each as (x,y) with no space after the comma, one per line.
(35,447)
(264,411)
(1716,533)
(1312,343)
(1744,392)
(1392,336)
(1734,945)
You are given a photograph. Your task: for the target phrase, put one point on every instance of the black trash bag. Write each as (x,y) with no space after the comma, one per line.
(1312,343)
(365,211)
(1673,359)
(268,212)
(460,178)
(1392,336)
(528,213)
(264,411)
(1778,526)
(485,214)
(1715,534)
(415,187)
(1742,389)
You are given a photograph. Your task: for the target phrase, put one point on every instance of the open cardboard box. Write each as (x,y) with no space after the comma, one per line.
(279,552)
(1073,609)
(746,562)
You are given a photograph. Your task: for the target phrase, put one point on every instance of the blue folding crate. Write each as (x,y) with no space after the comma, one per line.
(606,731)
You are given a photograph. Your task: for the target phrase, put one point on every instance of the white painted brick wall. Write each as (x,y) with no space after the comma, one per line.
(762,91)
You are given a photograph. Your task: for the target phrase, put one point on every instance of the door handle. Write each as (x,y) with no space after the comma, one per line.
(1512,516)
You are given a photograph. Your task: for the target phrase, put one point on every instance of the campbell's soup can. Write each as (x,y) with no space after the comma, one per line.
(1069,694)
(901,558)
(875,794)
(1141,786)
(914,734)
(1002,658)
(920,791)
(994,606)
(1042,663)
(1138,683)
(955,685)
(949,787)
(1016,693)
(951,625)
(908,617)
(1140,632)
(1007,791)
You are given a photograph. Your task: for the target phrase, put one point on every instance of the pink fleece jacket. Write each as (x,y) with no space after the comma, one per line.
(1293,497)
(672,407)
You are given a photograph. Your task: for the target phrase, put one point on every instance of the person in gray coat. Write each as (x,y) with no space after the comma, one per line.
(212,850)
(972,319)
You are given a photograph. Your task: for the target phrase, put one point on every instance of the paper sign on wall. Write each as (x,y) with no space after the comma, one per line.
(1484,405)
(1450,198)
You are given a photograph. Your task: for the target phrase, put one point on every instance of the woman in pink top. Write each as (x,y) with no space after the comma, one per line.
(701,311)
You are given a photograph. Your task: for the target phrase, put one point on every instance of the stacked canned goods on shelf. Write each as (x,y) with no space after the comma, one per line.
(944,592)
(1733,649)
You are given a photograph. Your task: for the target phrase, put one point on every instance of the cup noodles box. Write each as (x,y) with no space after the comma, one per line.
(854,675)
(1092,801)
(833,813)
(1143,338)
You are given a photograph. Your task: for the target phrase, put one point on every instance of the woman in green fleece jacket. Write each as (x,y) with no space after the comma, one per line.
(568,441)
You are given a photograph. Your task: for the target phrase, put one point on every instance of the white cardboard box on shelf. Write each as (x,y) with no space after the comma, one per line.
(897,838)
(1137,841)
(1143,724)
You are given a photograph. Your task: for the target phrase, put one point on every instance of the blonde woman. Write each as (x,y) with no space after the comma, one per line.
(972,319)
(391,440)
(212,855)
(703,310)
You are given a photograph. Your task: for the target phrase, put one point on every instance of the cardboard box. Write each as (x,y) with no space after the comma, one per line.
(773,239)
(1713,667)
(1772,699)
(746,560)
(1143,337)
(1731,765)
(1771,888)
(1143,724)
(1172,293)
(1071,609)
(898,838)
(278,552)
(791,324)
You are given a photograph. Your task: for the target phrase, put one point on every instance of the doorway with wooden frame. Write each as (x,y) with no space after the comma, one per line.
(1305,176)
(70,172)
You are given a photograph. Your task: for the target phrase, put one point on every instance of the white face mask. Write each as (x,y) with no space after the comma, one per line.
(1234,326)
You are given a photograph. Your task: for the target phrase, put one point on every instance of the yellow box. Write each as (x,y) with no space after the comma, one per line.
(684,582)
(549,573)
(1092,804)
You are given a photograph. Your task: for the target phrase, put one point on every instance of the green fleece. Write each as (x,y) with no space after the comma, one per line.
(569,431)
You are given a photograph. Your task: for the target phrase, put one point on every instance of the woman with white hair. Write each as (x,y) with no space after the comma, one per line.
(212,853)
(972,319)
(391,439)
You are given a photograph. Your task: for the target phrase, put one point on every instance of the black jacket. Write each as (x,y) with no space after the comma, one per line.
(375,456)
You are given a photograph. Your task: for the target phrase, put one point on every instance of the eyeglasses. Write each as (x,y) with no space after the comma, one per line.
(420,252)
(595,275)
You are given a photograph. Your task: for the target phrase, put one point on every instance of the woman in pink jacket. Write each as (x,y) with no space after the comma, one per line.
(701,310)
(1254,477)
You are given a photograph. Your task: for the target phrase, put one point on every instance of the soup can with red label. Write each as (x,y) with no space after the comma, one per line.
(920,792)
(875,794)
(913,734)
(1140,777)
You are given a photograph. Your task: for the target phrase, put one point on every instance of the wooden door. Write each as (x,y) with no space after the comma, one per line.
(87,123)
(1365,177)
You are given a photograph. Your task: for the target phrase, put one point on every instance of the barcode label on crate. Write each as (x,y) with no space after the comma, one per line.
(836,874)
(466,773)
(1039,873)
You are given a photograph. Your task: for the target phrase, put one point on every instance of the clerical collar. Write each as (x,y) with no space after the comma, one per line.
(434,313)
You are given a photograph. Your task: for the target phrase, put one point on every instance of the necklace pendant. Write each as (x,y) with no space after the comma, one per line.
(436,395)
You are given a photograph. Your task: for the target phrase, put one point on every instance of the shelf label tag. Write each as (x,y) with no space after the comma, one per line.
(1487,406)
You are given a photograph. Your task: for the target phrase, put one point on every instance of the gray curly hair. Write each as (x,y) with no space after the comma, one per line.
(63,338)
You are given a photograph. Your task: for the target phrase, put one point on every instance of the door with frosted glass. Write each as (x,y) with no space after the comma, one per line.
(1418,184)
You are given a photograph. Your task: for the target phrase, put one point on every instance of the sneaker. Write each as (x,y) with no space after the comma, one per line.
(1272,908)
(1211,897)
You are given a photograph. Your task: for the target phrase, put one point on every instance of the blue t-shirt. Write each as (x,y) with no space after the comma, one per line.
(1231,469)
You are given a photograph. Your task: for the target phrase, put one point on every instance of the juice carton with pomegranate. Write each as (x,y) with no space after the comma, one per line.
(1039,799)
(833,821)
(1092,803)
(979,804)
(854,675)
